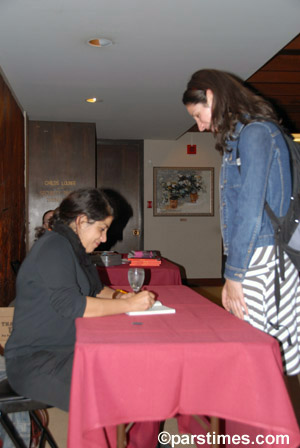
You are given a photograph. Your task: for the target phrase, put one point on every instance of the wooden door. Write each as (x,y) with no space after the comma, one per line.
(61,158)
(12,192)
(120,173)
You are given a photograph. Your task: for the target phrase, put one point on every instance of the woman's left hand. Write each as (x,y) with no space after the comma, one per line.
(233,298)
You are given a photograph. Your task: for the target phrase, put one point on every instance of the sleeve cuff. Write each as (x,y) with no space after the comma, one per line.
(234,274)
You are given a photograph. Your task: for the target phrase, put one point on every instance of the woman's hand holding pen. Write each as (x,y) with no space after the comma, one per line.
(139,302)
(118,302)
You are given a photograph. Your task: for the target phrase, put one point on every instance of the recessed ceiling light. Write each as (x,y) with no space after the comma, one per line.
(93,100)
(296,137)
(99,42)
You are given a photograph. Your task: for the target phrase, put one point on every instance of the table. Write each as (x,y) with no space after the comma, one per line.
(166,274)
(201,360)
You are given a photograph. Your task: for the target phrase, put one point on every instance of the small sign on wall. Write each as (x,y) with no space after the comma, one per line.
(192,149)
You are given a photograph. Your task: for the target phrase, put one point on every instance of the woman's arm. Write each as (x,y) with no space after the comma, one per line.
(99,306)
(256,157)
(110,293)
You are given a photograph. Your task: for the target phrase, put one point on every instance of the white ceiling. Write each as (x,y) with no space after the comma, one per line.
(158,44)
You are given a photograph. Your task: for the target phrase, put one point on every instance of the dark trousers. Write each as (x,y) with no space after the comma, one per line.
(43,376)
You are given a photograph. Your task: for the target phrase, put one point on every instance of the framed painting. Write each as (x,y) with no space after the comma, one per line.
(183,191)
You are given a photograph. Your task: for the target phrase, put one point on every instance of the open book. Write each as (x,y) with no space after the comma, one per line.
(157,308)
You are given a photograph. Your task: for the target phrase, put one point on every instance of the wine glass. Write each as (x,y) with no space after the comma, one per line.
(136,277)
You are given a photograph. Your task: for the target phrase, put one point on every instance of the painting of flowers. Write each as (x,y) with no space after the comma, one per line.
(183,191)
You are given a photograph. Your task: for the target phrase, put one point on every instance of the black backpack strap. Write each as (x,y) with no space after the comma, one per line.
(279,259)
(277,234)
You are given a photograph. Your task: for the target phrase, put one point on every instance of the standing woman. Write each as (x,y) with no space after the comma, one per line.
(258,171)
(57,283)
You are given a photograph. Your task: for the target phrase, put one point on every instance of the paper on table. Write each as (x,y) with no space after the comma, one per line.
(157,308)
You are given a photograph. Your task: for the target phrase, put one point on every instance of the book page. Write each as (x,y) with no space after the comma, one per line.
(157,308)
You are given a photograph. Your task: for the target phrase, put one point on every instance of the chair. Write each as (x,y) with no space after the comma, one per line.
(212,426)
(11,402)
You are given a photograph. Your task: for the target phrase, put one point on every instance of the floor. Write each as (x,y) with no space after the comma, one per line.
(58,425)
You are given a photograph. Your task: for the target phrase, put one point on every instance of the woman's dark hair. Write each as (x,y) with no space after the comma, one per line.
(232,102)
(40,230)
(91,202)
(48,211)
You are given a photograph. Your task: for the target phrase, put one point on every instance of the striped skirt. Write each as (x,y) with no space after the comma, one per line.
(258,288)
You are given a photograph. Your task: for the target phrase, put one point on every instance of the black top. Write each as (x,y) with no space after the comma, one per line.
(51,294)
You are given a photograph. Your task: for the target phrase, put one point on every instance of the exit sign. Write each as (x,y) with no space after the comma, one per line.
(191,149)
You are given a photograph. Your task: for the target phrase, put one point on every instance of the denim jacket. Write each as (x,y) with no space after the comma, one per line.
(263,174)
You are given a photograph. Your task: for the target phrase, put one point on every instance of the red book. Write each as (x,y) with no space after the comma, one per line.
(144,262)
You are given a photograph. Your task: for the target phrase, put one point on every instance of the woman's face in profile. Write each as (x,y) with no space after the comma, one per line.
(91,234)
(46,219)
(201,112)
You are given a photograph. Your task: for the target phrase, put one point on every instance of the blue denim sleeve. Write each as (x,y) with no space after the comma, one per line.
(255,147)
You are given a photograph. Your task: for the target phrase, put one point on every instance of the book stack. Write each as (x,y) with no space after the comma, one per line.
(144,258)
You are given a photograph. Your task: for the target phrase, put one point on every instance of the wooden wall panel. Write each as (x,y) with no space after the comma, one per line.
(283,62)
(12,191)
(269,88)
(61,158)
(275,77)
(279,81)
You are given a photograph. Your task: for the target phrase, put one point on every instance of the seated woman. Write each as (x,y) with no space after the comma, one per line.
(56,284)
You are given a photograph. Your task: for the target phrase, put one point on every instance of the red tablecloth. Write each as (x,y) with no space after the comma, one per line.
(166,274)
(201,360)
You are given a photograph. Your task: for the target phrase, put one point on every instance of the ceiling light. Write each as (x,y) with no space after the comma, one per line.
(296,137)
(93,100)
(99,42)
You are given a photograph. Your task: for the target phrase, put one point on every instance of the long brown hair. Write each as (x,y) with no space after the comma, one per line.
(232,102)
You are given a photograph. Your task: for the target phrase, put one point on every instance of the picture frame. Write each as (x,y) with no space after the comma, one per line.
(183,191)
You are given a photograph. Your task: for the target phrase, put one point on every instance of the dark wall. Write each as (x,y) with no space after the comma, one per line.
(12,191)
(120,170)
(61,158)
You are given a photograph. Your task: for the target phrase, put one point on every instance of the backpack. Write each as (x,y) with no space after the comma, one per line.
(287,227)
